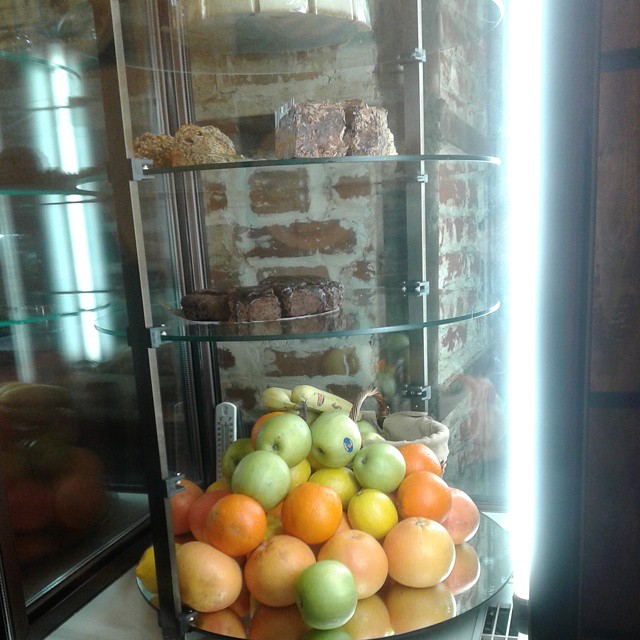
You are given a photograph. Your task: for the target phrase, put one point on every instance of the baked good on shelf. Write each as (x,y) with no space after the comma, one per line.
(206,304)
(157,147)
(254,304)
(367,131)
(192,144)
(201,145)
(332,129)
(305,295)
(310,130)
(274,298)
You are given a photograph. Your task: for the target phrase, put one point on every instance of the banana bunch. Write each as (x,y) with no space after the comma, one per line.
(316,400)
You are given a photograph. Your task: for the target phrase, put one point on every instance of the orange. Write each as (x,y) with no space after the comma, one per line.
(311,512)
(272,570)
(30,505)
(242,604)
(199,510)
(418,457)
(225,622)
(363,555)
(463,519)
(79,502)
(236,524)
(421,552)
(259,422)
(209,580)
(411,609)
(423,494)
(181,502)
(370,620)
(277,623)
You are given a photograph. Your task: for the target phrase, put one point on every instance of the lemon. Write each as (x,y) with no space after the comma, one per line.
(372,511)
(315,465)
(146,570)
(299,473)
(274,526)
(219,484)
(342,480)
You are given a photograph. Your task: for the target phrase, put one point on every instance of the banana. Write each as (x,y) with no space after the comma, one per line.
(35,395)
(318,400)
(277,399)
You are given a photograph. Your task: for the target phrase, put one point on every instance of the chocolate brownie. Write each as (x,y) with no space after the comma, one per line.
(305,295)
(254,304)
(206,304)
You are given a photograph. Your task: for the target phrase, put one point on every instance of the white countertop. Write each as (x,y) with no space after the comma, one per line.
(118,613)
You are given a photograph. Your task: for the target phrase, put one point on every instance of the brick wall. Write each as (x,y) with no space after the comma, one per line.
(328,221)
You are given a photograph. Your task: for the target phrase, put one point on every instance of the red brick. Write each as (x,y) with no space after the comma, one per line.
(215,196)
(455,337)
(353,187)
(301,239)
(279,191)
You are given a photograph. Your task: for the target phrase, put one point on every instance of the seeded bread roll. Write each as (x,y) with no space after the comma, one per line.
(367,132)
(201,145)
(155,147)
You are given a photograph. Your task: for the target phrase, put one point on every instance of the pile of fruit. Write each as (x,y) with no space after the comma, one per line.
(56,489)
(311,534)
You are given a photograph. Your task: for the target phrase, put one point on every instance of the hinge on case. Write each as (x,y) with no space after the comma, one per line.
(417,55)
(172,484)
(422,178)
(137,167)
(155,335)
(421,287)
(416,391)
(184,619)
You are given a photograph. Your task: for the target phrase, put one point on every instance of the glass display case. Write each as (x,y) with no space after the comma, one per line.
(214,210)
(73,514)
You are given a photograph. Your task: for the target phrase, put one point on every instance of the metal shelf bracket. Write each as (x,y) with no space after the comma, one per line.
(416,391)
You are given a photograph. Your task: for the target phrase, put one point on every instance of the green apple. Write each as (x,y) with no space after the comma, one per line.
(264,476)
(380,466)
(327,634)
(286,434)
(371,438)
(366,428)
(335,439)
(234,453)
(326,594)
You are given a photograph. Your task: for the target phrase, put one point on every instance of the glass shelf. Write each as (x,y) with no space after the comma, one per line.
(293,162)
(363,312)
(11,317)
(75,187)
(214,31)
(489,549)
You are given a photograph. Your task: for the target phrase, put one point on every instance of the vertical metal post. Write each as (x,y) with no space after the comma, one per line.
(130,233)
(414,135)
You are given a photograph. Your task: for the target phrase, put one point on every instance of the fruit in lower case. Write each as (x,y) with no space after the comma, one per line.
(366,428)
(273,568)
(335,439)
(342,480)
(421,552)
(300,473)
(209,580)
(424,494)
(372,511)
(224,622)
(199,510)
(370,620)
(264,476)
(234,453)
(363,555)
(411,608)
(466,570)
(463,520)
(277,623)
(326,594)
(259,422)
(181,502)
(287,435)
(327,634)
(379,466)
